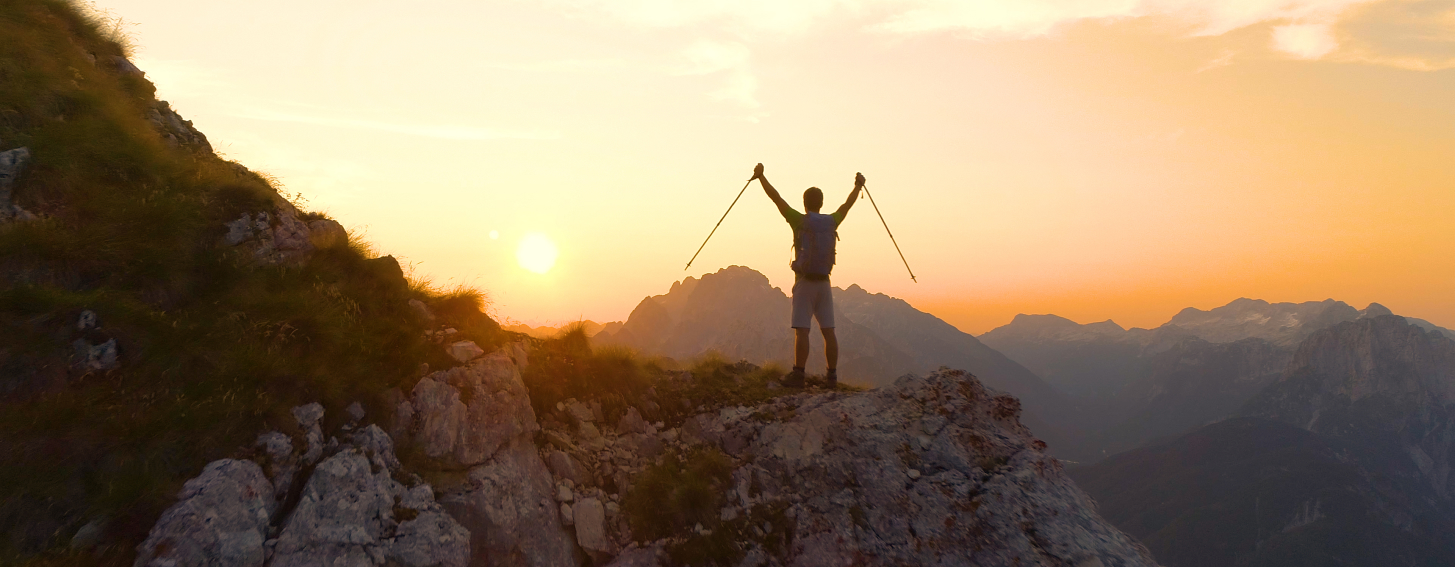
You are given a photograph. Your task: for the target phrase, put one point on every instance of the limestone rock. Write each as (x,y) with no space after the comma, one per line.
(465,414)
(356,412)
(421,310)
(309,417)
(341,517)
(986,492)
(327,233)
(590,517)
(465,351)
(12,162)
(96,358)
(272,238)
(125,67)
(510,511)
(653,555)
(175,131)
(351,510)
(86,321)
(221,519)
(282,462)
(564,466)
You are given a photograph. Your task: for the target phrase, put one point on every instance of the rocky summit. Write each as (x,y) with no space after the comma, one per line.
(933,470)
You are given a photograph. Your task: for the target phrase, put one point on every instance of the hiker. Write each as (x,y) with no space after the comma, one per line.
(814,237)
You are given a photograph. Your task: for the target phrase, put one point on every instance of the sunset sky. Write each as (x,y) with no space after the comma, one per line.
(1096,159)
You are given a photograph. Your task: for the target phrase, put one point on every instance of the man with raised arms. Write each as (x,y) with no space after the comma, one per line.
(815,236)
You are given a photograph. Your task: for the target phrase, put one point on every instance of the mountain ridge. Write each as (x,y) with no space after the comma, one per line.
(737,313)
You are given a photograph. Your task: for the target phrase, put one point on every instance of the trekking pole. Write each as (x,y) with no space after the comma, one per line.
(719,223)
(891,234)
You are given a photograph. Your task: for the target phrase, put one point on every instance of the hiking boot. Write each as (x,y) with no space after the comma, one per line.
(793,379)
(832,379)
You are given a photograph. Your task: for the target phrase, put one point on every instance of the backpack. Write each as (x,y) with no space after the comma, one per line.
(813,245)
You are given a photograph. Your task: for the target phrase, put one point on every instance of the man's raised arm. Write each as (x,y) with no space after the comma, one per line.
(783,207)
(853,196)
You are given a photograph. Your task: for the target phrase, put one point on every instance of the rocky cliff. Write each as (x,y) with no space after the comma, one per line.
(933,470)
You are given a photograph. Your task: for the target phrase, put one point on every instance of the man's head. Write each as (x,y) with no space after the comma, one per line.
(813,199)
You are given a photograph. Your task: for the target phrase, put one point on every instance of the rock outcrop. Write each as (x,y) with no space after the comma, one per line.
(477,420)
(176,131)
(282,236)
(351,510)
(929,471)
(12,162)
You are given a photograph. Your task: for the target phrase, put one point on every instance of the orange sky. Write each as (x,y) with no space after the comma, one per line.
(1093,159)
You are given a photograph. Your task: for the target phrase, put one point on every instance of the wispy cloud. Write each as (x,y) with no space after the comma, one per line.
(1221,61)
(729,59)
(440,131)
(561,65)
(1305,41)
(1303,29)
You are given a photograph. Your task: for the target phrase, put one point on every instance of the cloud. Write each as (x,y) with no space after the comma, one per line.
(1304,29)
(1222,61)
(772,16)
(561,66)
(1305,41)
(440,131)
(730,59)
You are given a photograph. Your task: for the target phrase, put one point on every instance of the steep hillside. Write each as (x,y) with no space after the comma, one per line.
(1347,454)
(738,314)
(160,306)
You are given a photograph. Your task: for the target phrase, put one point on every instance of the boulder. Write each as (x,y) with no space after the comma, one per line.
(562,465)
(590,517)
(464,351)
(654,555)
(175,131)
(478,418)
(342,517)
(12,162)
(421,310)
(125,67)
(463,415)
(96,358)
(510,511)
(327,233)
(221,519)
(309,418)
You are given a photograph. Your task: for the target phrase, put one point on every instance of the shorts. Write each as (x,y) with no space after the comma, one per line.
(813,300)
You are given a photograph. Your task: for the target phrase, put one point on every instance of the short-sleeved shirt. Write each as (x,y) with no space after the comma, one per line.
(795,221)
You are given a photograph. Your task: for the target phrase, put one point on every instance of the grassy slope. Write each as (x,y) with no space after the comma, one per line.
(214,349)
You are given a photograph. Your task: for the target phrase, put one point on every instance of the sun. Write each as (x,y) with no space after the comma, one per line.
(537,253)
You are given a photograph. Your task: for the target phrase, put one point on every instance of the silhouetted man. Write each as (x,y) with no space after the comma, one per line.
(814,238)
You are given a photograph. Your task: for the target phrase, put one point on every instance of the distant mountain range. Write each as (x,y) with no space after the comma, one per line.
(547,331)
(737,313)
(1139,385)
(1343,459)
(1252,434)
